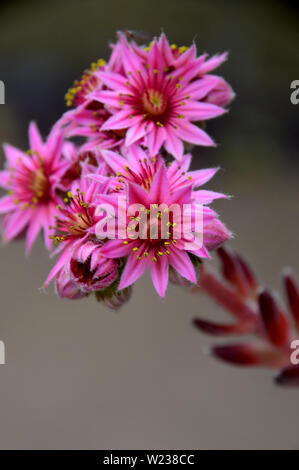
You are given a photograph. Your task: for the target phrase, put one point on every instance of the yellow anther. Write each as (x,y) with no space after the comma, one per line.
(135,249)
(183,49)
(125,242)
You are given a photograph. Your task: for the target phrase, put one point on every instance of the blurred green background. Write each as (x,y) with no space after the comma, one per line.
(78,376)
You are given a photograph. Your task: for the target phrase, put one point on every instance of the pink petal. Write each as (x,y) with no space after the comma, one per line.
(159,272)
(160,191)
(206,197)
(135,133)
(7,204)
(120,120)
(193,134)
(113,80)
(35,139)
(16,223)
(32,232)
(200,177)
(138,195)
(213,63)
(173,144)
(62,260)
(180,261)
(156,138)
(199,89)
(215,233)
(13,154)
(114,160)
(200,111)
(110,98)
(4,179)
(117,249)
(133,270)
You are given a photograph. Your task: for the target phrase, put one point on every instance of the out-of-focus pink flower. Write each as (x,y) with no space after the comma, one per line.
(88,115)
(32,180)
(78,94)
(158,96)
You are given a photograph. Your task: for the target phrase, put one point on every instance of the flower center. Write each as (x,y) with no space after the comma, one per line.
(75,219)
(40,185)
(154,102)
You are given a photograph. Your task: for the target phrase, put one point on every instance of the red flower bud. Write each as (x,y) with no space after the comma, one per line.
(275,322)
(292,297)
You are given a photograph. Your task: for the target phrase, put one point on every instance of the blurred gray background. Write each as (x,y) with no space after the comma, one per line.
(79,376)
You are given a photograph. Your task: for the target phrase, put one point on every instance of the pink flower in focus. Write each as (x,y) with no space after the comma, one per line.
(32,179)
(157,102)
(75,223)
(157,254)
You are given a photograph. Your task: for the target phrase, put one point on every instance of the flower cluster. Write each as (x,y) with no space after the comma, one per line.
(135,117)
